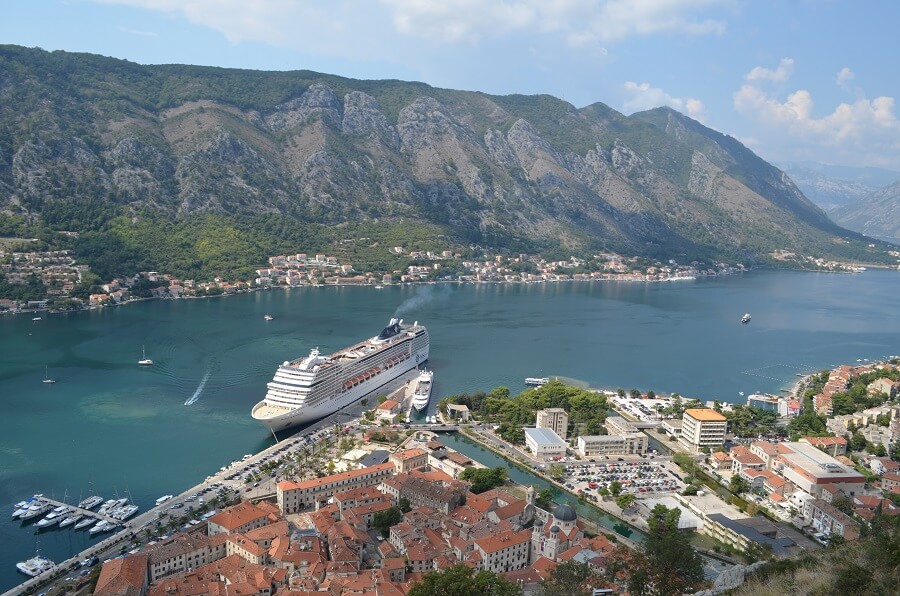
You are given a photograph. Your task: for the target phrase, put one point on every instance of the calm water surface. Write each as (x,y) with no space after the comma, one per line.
(110,426)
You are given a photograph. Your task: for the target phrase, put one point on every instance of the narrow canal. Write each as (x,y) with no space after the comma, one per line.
(478,453)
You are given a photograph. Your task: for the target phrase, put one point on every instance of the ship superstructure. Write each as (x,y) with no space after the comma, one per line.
(313,387)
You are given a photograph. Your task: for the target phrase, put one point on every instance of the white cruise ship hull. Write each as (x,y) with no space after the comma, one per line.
(279,411)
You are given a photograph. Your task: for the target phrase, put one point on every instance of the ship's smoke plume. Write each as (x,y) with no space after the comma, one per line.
(424,295)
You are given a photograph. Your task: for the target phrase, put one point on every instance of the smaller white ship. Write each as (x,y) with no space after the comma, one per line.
(55,516)
(268,317)
(91,502)
(102,526)
(88,520)
(746,318)
(536,381)
(47,378)
(70,520)
(21,507)
(423,390)
(40,507)
(144,361)
(36,565)
(163,499)
(123,512)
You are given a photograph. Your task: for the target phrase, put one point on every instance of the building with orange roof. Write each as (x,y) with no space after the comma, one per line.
(295,496)
(720,460)
(776,485)
(765,451)
(184,551)
(833,446)
(265,535)
(409,459)
(388,410)
(123,577)
(238,519)
(504,551)
(744,459)
(702,428)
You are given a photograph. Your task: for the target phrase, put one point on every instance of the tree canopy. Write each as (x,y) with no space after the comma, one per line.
(484,479)
(665,564)
(514,413)
(463,581)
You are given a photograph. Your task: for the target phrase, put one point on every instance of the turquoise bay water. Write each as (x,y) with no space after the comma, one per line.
(115,426)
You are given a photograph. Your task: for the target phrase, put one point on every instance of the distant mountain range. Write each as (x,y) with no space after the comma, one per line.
(866,200)
(87,140)
(877,214)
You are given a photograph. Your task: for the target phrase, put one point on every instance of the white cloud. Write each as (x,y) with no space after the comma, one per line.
(645,97)
(844,77)
(779,75)
(279,22)
(865,130)
(580,23)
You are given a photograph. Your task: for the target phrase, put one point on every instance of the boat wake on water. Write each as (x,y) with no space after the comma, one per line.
(199,390)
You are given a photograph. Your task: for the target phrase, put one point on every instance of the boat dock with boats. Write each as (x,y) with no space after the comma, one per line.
(79,516)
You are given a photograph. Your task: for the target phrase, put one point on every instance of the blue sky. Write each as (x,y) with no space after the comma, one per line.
(793,79)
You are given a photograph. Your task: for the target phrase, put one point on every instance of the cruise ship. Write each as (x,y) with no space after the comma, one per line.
(313,387)
(423,390)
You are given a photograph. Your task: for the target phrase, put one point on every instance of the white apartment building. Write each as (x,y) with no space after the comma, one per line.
(702,427)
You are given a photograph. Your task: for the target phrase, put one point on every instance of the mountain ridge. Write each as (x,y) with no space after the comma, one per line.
(85,138)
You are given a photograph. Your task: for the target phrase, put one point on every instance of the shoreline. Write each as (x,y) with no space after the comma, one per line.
(368,285)
(435,282)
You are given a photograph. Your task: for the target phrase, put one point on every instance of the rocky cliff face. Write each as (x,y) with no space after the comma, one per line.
(877,214)
(490,169)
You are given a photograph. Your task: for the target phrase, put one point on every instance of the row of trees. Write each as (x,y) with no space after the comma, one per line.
(586,409)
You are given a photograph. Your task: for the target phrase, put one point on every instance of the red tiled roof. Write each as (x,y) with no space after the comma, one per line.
(123,576)
(349,475)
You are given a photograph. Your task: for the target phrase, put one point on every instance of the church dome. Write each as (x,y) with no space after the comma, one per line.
(564,513)
(554,529)
(539,522)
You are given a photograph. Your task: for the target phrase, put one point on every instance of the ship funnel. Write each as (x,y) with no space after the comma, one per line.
(392,321)
(416,324)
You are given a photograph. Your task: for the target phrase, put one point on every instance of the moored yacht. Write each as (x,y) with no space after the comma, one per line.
(55,516)
(35,566)
(36,509)
(423,390)
(88,520)
(102,526)
(22,506)
(90,502)
(123,512)
(70,520)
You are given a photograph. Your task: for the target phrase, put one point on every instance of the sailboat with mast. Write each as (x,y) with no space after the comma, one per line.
(37,564)
(144,361)
(47,378)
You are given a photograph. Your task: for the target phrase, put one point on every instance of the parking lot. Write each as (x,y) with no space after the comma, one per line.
(640,477)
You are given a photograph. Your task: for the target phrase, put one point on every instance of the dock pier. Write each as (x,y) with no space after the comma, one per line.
(77,509)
